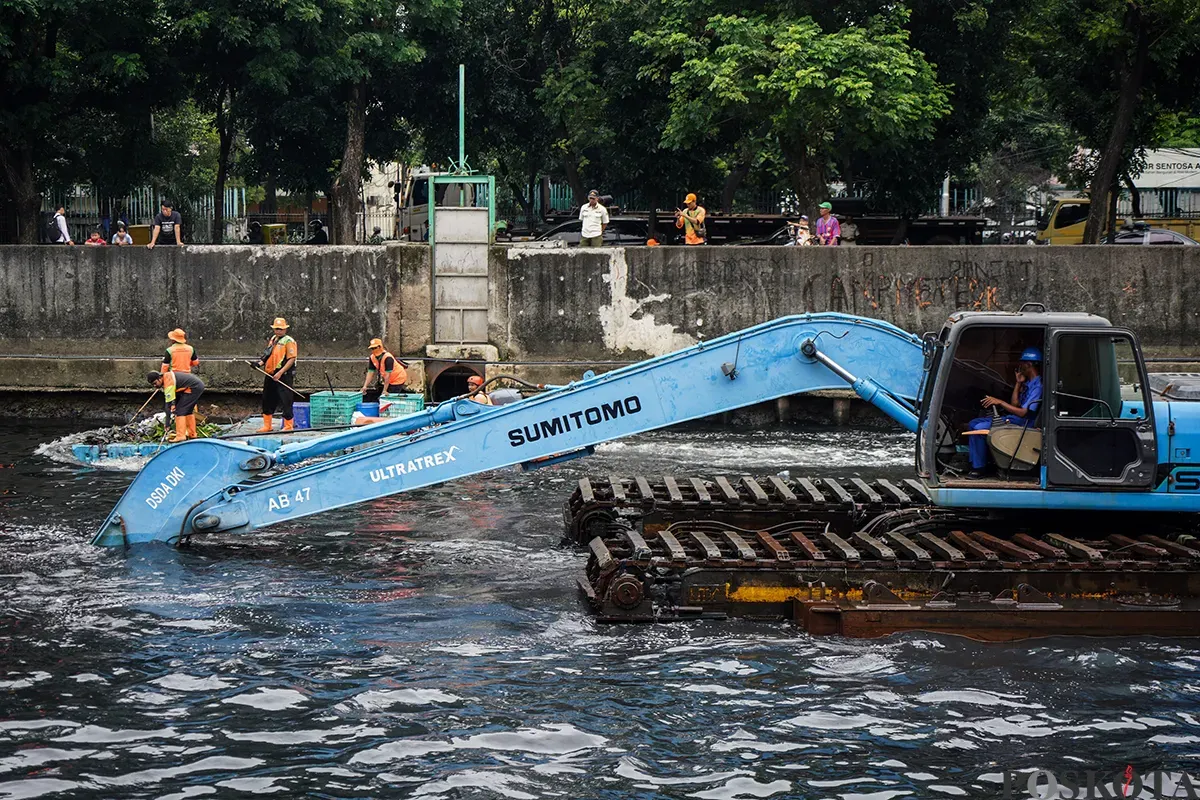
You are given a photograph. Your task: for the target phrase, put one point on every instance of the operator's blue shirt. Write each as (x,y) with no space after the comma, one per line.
(1030,396)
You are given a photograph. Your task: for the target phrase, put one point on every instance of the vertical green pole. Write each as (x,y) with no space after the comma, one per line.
(462,115)
(462,129)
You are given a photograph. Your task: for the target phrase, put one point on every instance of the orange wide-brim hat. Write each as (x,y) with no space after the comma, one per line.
(376,344)
(178,336)
(279,323)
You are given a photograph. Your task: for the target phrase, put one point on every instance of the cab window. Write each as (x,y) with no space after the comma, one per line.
(420,191)
(1098,378)
(1070,214)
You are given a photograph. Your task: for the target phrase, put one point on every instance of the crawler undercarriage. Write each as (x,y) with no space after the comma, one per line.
(865,559)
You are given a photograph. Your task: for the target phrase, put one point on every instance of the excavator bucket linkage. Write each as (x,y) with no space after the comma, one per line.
(865,561)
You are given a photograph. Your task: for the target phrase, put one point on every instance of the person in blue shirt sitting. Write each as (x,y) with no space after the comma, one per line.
(1021,409)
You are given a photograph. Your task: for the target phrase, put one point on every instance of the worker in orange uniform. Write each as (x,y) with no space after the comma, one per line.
(385,374)
(691,219)
(474,384)
(181,356)
(182,391)
(279,362)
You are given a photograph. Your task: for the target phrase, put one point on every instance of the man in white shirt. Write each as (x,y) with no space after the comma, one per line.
(60,234)
(595,219)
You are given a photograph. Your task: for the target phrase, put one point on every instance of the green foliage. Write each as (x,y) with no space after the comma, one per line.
(655,96)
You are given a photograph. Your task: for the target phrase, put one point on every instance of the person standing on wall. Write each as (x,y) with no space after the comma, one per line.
(595,221)
(385,374)
(182,391)
(829,232)
(169,224)
(691,219)
(180,356)
(279,362)
(59,233)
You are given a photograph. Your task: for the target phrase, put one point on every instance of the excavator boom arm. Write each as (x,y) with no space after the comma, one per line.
(209,486)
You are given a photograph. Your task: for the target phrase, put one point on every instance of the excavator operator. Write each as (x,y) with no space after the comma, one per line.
(1021,408)
(279,362)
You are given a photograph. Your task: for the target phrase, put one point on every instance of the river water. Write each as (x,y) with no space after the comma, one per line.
(433,646)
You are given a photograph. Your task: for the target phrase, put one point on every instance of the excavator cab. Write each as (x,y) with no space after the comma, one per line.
(1093,429)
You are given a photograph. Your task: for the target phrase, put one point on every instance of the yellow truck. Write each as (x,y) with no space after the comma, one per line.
(1065,220)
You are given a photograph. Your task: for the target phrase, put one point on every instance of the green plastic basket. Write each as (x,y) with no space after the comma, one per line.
(333,409)
(403,405)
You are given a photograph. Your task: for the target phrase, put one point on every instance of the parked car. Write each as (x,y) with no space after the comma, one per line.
(619,233)
(1144,234)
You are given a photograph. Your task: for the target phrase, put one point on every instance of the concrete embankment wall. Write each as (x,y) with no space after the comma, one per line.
(96,318)
(653,300)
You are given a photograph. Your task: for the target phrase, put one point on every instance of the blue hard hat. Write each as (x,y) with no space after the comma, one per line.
(1031,354)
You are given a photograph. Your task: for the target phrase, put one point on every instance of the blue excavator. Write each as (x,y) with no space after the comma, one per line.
(1086,525)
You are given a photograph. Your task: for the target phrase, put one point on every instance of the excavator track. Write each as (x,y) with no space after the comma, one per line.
(869,566)
(752,502)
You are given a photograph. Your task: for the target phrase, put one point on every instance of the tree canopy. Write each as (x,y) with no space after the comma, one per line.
(650,97)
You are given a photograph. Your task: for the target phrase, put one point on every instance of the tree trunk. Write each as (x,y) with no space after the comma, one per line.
(732,182)
(1110,213)
(1110,159)
(16,162)
(807,177)
(344,207)
(1135,199)
(270,203)
(571,169)
(225,133)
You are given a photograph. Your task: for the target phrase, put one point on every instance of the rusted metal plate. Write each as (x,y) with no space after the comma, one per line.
(585,490)
(1143,549)
(804,543)
(701,491)
(1173,548)
(1047,550)
(973,547)
(1008,548)
(774,547)
(673,493)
